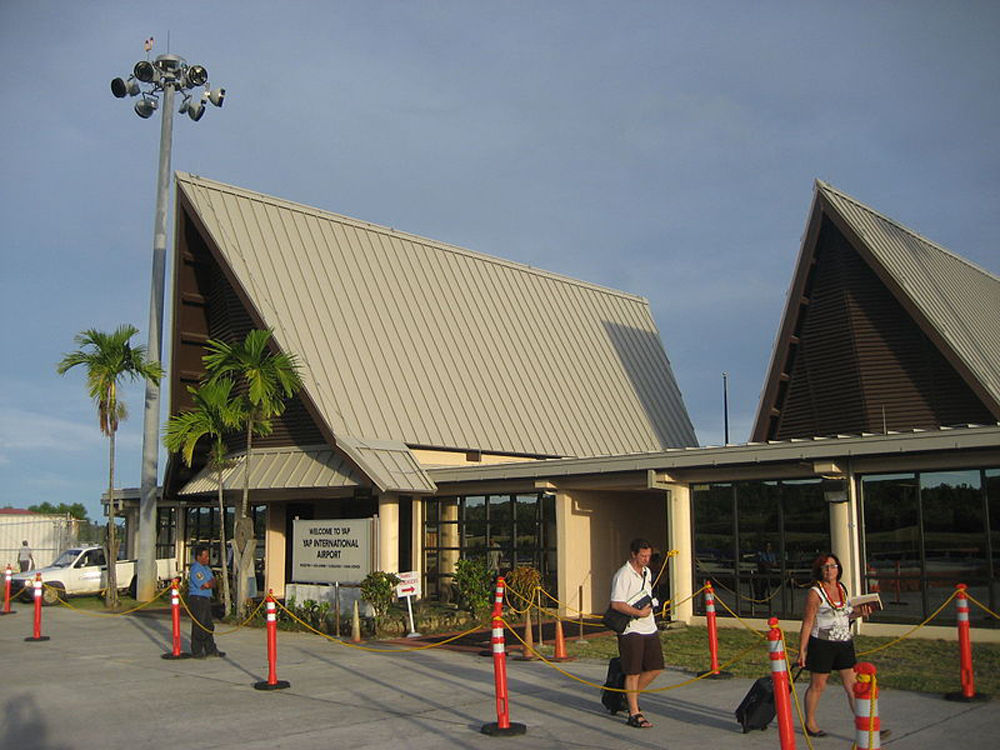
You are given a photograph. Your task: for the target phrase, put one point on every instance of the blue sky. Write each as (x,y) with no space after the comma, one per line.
(667,149)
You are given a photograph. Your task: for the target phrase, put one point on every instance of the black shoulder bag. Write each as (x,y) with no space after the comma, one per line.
(617,621)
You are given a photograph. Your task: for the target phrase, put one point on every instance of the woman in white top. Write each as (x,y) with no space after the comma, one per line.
(825,641)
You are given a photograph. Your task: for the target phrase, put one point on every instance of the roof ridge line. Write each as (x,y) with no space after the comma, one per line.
(383,229)
(888,219)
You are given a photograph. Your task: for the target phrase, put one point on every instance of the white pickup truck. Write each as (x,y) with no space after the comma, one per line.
(82,570)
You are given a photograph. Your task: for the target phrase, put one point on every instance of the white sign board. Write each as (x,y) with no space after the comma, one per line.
(409,584)
(331,550)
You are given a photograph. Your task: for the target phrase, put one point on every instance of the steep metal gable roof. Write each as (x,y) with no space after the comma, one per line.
(957,299)
(956,303)
(409,340)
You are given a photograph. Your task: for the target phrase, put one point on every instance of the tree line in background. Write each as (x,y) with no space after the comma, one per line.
(245,387)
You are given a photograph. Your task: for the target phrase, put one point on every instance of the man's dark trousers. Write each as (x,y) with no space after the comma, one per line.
(202,638)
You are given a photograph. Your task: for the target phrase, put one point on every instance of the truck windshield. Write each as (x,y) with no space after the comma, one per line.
(66,558)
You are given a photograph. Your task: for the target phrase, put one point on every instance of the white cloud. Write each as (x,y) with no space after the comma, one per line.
(24,430)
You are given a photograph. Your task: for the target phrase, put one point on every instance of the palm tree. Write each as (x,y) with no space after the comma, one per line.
(216,412)
(269,378)
(109,359)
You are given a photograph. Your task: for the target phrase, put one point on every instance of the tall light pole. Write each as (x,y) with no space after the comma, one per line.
(166,75)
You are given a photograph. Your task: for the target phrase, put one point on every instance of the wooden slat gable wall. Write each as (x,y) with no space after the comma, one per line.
(861,364)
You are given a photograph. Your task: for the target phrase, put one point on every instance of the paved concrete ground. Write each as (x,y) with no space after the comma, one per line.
(100,683)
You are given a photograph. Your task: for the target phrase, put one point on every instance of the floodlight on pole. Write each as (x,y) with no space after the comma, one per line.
(165,75)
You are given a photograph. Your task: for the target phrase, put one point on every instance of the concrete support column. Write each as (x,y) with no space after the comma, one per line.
(568,567)
(388,533)
(274,548)
(841,539)
(679,534)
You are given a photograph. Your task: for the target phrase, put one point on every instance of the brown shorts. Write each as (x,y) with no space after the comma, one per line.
(640,652)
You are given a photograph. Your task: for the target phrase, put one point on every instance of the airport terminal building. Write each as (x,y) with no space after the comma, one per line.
(472,406)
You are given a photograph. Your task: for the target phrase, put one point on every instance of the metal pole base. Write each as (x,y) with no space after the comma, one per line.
(277,685)
(414,635)
(513,730)
(708,674)
(31,638)
(963,698)
(181,655)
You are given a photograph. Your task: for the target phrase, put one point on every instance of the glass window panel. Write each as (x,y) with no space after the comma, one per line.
(474,508)
(759,519)
(714,529)
(501,509)
(892,543)
(955,540)
(527,521)
(806,527)
(993,509)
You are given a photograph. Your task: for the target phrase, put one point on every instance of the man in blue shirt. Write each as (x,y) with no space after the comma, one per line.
(201,581)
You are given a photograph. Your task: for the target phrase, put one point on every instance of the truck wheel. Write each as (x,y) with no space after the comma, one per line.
(52,593)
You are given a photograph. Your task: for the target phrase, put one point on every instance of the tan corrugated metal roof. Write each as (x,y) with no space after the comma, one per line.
(281,468)
(390,464)
(410,340)
(957,298)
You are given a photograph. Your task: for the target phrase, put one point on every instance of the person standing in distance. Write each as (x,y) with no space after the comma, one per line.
(639,644)
(201,582)
(24,557)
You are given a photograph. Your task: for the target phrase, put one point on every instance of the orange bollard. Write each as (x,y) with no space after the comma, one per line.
(6,593)
(175,617)
(38,611)
(713,636)
(867,727)
(782,688)
(272,682)
(502,727)
(560,647)
(968,691)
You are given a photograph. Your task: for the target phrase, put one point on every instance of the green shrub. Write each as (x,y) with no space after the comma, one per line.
(475,582)
(379,590)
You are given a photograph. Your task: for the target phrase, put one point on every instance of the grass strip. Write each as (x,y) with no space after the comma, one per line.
(918,664)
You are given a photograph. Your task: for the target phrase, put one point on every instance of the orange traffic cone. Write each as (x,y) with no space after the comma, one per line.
(560,649)
(528,647)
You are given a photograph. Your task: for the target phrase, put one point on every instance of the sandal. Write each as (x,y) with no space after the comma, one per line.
(639,721)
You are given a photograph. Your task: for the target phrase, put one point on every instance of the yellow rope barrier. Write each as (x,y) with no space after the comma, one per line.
(394,650)
(912,630)
(971,598)
(622,690)
(745,598)
(742,622)
(531,603)
(66,603)
(668,606)
(221,632)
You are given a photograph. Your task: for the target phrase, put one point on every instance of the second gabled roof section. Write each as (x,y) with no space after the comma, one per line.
(882,329)
(413,341)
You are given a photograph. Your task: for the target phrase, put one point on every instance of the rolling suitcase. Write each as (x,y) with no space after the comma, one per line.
(756,710)
(614,701)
